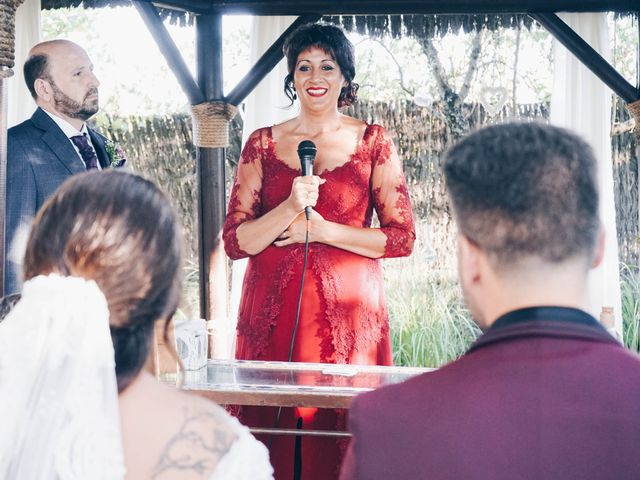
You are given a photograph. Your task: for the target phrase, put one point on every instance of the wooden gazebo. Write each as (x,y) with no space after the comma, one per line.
(212,110)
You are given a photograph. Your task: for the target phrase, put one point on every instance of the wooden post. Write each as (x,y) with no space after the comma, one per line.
(211,177)
(210,161)
(3,175)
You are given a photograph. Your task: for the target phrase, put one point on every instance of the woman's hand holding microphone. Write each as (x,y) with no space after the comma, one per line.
(304,192)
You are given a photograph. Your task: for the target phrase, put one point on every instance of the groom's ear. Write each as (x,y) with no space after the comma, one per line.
(599,250)
(469,260)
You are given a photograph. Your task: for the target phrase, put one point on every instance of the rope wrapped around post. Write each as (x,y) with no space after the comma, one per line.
(211,123)
(634,110)
(7,36)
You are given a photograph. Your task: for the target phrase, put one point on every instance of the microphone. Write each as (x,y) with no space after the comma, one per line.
(307,154)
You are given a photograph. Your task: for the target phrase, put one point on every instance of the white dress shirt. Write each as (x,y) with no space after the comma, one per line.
(71,131)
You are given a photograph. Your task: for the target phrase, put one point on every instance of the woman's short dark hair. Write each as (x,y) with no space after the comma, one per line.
(119,230)
(333,41)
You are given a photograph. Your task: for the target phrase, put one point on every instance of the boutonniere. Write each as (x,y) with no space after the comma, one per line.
(117,158)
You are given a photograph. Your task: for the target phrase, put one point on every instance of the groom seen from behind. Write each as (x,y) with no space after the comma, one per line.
(54,144)
(545,392)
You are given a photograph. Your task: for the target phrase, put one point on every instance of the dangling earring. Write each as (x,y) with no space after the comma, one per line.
(295,95)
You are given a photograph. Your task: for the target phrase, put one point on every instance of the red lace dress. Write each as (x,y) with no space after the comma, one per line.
(344,317)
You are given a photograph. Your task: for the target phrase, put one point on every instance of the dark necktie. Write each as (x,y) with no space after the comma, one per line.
(87,152)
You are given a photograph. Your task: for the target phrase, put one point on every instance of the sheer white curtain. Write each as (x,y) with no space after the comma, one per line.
(264,107)
(21,105)
(267,103)
(582,102)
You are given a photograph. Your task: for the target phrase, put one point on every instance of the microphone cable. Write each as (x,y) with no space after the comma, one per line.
(304,270)
(297,320)
(307,154)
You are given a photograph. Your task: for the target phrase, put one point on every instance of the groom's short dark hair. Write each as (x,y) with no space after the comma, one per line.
(525,189)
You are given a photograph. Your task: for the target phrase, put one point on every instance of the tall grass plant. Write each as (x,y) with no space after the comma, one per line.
(430,325)
(630,293)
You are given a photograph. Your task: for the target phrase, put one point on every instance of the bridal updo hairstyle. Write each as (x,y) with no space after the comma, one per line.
(334,42)
(119,230)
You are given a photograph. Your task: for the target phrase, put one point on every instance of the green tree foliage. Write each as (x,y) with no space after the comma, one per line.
(392,69)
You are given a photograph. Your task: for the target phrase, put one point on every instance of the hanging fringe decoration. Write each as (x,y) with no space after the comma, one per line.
(425,25)
(361,24)
(7,36)
(176,17)
(391,26)
(396,25)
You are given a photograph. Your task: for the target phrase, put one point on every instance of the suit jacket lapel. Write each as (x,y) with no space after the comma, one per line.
(98,142)
(58,142)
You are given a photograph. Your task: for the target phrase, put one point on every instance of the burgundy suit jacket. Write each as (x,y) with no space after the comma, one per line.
(545,393)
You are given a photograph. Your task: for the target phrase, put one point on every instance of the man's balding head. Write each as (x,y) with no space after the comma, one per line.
(59,75)
(42,56)
(58,46)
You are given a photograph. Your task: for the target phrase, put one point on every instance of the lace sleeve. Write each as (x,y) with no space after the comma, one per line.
(247,459)
(244,203)
(391,198)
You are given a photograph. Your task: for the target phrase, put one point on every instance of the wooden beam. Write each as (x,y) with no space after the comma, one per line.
(265,63)
(588,56)
(378,7)
(211,177)
(169,50)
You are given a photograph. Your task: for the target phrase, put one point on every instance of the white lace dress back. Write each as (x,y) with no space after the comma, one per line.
(58,391)
(247,459)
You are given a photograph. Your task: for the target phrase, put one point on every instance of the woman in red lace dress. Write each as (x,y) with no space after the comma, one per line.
(343,318)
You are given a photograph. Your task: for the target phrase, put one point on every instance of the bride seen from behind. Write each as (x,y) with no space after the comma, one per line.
(118,230)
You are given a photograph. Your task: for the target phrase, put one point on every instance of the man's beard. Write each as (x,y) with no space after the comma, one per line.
(71,108)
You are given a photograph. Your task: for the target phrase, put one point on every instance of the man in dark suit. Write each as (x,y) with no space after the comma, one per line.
(546,392)
(53,144)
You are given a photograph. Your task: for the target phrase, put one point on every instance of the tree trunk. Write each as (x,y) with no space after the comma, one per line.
(453,100)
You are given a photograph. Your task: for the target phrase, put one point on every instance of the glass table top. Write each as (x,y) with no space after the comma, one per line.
(288,384)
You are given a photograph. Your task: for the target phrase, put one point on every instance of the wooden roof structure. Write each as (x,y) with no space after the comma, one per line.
(365,7)
(212,109)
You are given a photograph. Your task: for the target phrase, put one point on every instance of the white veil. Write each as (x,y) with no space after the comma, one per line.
(58,391)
